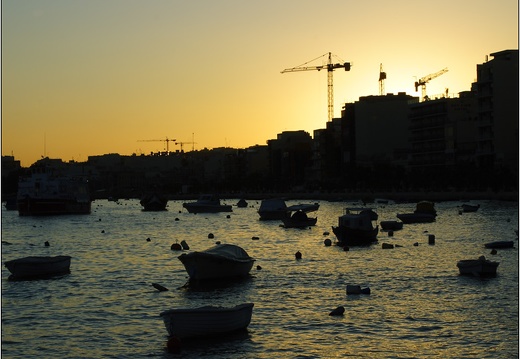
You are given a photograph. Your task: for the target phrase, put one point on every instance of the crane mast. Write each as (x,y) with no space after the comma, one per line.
(423,81)
(330,67)
(167,140)
(382,78)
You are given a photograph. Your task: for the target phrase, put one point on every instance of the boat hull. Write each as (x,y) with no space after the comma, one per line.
(51,206)
(355,237)
(416,217)
(295,223)
(205,208)
(500,244)
(206,321)
(38,267)
(201,266)
(477,267)
(391,225)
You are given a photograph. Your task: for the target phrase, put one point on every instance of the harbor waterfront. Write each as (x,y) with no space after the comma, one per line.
(419,306)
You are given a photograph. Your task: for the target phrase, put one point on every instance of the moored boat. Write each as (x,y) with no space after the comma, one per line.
(356,227)
(424,213)
(184,323)
(277,209)
(470,207)
(153,202)
(51,190)
(38,267)
(207,203)
(391,225)
(298,219)
(478,267)
(219,262)
(500,244)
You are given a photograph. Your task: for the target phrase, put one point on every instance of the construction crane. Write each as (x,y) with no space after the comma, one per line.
(330,67)
(382,78)
(423,81)
(167,140)
(186,143)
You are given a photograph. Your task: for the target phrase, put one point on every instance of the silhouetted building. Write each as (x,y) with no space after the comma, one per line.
(497,91)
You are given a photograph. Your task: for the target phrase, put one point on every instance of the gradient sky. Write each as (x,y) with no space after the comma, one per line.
(91,77)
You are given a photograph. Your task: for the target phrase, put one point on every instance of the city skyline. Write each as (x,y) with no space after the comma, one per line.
(89,78)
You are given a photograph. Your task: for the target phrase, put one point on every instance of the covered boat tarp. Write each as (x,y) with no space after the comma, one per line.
(304,207)
(229,251)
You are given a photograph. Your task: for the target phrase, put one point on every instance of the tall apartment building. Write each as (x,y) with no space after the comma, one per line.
(497,92)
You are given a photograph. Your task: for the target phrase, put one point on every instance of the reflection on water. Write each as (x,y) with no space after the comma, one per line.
(419,305)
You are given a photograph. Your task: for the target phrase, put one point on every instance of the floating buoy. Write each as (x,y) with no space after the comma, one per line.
(325,233)
(387,246)
(390,233)
(431,239)
(184,245)
(148,239)
(103,231)
(254,238)
(416,244)
(176,218)
(228,216)
(327,242)
(258,268)
(174,345)
(211,236)
(298,255)
(47,244)
(159,287)
(338,311)
(176,247)
(217,242)
(494,251)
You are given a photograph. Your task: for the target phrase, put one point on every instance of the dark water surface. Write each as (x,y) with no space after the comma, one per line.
(419,306)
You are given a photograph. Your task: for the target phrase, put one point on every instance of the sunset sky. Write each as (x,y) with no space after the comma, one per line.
(91,77)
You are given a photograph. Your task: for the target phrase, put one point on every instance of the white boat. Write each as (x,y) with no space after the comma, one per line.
(478,267)
(207,203)
(424,213)
(277,209)
(218,262)
(206,321)
(356,227)
(38,267)
(49,190)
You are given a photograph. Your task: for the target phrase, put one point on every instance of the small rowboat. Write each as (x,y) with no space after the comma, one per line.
(38,267)
(206,321)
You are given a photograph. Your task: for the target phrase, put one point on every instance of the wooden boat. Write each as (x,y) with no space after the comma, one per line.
(500,244)
(220,261)
(391,225)
(356,227)
(38,267)
(470,208)
(424,213)
(207,203)
(206,321)
(154,202)
(478,267)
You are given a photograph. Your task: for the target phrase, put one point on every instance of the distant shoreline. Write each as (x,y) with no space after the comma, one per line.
(367,196)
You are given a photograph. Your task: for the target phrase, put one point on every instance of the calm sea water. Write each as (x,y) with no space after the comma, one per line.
(419,306)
